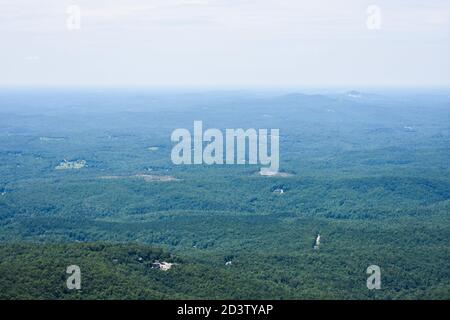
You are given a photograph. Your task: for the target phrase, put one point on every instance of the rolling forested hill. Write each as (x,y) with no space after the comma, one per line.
(86,179)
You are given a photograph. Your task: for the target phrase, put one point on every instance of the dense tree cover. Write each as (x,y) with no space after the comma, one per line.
(371,176)
(123,271)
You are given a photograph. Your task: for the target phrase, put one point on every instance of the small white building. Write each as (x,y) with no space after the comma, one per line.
(164,266)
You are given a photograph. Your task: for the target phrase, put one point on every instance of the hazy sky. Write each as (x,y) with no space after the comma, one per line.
(225,43)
